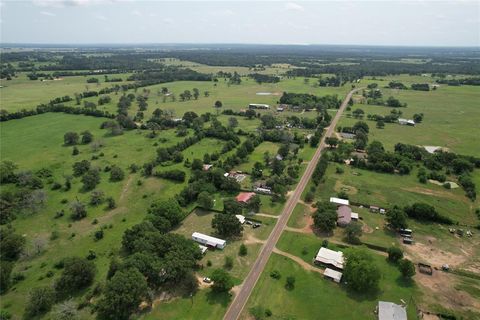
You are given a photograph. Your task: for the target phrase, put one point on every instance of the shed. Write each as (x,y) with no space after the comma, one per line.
(333,275)
(354,216)
(329,257)
(245,196)
(207,167)
(240,218)
(339,202)
(208,241)
(391,311)
(258,106)
(203,248)
(344,216)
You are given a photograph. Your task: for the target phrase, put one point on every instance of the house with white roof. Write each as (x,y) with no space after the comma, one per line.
(208,241)
(330,258)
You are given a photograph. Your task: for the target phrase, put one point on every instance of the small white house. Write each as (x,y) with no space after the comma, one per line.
(333,275)
(339,202)
(262,190)
(329,257)
(240,218)
(258,106)
(408,122)
(208,241)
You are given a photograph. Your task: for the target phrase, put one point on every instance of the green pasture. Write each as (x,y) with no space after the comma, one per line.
(22,93)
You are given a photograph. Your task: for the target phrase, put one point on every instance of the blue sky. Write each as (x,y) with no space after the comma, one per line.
(418,23)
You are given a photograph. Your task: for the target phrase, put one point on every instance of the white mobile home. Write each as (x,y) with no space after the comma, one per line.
(339,202)
(258,106)
(240,218)
(208,241)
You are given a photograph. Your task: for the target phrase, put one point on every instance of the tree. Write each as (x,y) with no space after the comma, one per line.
(290,283)
(232,207)
(75,151)
(97,197)
(380,124)
(407,268)
(90,179)
(397,218)
(196,93)
(66,310)
(7,172)
(222,281)
(418,117)
(78,273)
(232,122)
(205,200)
(332,141)
(123,294)
(116,174)
(169,209)
(254,204)
(78,210)
(87,137)
(353,232)
(12,245)
(360,272)
(79,168)
(394,254)
(325,218)
(197,164)
(227,225)
(5,272)
(242,251)
(218,104)
(40,300)
(70,138)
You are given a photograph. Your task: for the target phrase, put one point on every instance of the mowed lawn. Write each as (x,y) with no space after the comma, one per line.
(22,93)
(315,297)
(450,118)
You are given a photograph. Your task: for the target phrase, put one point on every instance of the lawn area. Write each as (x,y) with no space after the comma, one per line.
(258,155)
(269,207)
(313,295)
(386,190)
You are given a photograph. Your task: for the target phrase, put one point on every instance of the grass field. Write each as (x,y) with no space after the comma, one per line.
(22,93)
(313,295)
(450,115)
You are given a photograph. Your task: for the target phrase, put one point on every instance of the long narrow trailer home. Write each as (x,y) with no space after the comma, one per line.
(208,241)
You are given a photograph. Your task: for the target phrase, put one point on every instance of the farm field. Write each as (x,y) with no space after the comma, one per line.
(450,115)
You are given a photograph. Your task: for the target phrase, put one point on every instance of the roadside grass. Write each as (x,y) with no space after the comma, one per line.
(299,216)
(313,295)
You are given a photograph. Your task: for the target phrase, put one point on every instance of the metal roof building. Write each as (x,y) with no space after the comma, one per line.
(329,257)
(391,311)
(332,274)
(339,202)
(208,240)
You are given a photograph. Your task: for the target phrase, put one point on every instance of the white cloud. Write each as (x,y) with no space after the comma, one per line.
(100,17)
(168,20)
(293,6)
(69,3)
(137,13)
(47,13)
(222,13)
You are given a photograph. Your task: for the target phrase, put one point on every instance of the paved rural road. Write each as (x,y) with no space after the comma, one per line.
(237,305)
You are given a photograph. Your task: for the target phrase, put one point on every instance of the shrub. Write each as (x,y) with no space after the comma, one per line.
(40,300)
(242,251)
(228,263)
(394,254)
(407,268)
(116,174)
(290,283)
(275,274)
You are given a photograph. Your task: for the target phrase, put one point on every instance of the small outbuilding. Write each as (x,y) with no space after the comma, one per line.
(203,248)
(332,275)
(244,197)
(354,216)
(208,241)
(391,311)
(330,258)
(207,167)
(339,202)
(240,218)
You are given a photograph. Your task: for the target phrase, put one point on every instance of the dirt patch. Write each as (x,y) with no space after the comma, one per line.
(366,228)
(441,286)
(430,254)
(252,240)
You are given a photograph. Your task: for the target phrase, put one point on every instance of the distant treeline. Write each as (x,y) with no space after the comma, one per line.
(305,100)
(474,81)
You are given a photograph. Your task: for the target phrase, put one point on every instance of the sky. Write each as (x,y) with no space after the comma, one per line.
(409,23)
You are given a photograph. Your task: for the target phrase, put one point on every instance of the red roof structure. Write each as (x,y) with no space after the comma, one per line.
(245,196)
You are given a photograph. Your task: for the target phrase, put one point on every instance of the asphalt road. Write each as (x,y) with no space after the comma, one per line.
(237,305)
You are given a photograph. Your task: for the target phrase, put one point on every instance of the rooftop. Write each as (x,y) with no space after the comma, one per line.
(339,201)
(391,311)
(327,256)
(344,215)
(245,196)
